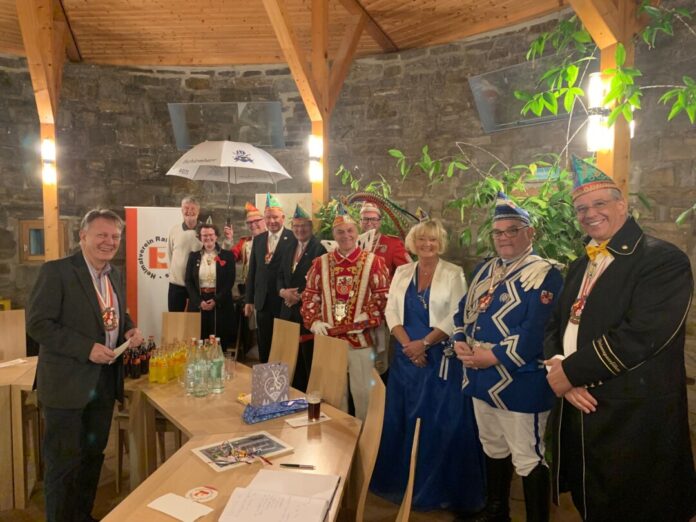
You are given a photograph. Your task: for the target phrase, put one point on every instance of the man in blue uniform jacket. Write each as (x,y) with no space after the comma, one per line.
(499,332)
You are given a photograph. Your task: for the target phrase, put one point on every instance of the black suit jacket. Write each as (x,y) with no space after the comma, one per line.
(297,279)
(224,279)
(262,277)
(64,317)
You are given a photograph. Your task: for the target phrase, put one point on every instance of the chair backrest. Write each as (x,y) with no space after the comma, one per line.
(329,373)
(368,445)
(285,344)
(13,341)
(405,509)
(180,325)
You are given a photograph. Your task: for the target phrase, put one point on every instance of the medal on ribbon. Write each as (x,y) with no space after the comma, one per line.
(576,310)
(108,312)
(340,311)
(484,302)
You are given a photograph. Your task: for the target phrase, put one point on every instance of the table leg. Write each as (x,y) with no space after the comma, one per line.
(18,461)
(6,486)
(141,438)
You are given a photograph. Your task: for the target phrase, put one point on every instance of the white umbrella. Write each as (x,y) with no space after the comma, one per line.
(228,161)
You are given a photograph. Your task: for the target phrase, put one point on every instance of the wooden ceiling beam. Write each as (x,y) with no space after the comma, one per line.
(71,47)
(372,28)
(602,19)
(295,57)
(344,57)
(320,50)
(44,46)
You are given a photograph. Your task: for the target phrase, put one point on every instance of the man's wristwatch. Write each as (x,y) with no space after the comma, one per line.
(426,344)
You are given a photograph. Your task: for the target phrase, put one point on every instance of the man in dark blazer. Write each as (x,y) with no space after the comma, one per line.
(212,296)
(261,291)
(615,355)
(291,283)
(77,314)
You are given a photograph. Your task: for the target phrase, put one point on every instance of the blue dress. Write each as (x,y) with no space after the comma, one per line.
(450,467)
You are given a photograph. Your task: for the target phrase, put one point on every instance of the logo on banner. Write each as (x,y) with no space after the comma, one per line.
(152,257)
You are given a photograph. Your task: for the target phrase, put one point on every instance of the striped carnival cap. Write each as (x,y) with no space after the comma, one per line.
(505,208)
(342,216)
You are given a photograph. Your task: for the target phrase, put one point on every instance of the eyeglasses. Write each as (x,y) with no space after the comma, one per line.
(509,232)
(370,220)
(597,205)
(250,223)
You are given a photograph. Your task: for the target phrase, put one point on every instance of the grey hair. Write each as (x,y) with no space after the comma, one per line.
(103,213)
(615,194)
(190,200)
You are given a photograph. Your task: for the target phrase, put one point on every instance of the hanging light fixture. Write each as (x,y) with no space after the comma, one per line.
(599,135)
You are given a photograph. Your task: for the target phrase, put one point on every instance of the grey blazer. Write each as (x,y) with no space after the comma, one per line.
(63,316)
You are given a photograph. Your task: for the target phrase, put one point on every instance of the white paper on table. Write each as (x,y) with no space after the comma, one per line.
(13,362)
(179,507)
(118,351)
(296,484)
(250,505)
(302,420)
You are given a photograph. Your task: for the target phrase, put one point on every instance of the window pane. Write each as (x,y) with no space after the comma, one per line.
(36,242)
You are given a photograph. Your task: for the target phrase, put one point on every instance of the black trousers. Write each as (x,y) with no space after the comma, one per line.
(177,298)
(264,325)
(74,443)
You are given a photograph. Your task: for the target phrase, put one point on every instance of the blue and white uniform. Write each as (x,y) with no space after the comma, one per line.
(505,310)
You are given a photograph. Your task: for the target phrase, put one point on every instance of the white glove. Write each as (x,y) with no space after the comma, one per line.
(362,316)
(532,276)
(320,328)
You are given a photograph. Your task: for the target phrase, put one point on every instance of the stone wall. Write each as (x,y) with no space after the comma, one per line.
(116,143)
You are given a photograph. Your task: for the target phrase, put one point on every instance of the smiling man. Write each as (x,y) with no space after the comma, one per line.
(181,242)
(77,313)
(615,349)
(499,332)
(346,294)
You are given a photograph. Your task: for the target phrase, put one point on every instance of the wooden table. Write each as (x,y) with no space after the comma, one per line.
(328,445)
(15,382)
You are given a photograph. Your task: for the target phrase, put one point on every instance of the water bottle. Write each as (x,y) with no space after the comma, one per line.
(200,372)
(217,367)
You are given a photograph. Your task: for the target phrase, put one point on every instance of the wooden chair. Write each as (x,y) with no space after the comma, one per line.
(330,371)
(285,344)
(405,509)
(13,341)
(368,446)
(180,325)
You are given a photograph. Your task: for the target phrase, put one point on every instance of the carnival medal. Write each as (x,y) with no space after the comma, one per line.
(340,311)
(576,310)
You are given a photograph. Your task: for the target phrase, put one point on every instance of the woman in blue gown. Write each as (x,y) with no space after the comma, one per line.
(426,383)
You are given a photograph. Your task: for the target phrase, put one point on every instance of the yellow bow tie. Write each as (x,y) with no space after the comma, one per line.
(594,251)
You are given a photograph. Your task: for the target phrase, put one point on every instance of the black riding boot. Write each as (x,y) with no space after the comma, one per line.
(537,489)
(498,477)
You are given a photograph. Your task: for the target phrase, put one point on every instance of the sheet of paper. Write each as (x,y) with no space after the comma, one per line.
(118,351)
(296,483)
(13,362)
(302,420)
(179,507)
(262,506)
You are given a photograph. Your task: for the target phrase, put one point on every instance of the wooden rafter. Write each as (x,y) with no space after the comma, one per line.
(320,50)
(278,16)
(44,45)
(601,18)
(371,27)
(71,48)
(344,57)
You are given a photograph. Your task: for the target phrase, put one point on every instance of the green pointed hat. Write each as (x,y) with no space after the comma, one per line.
(301,213)
(422,215)
(272,202)
(588,178)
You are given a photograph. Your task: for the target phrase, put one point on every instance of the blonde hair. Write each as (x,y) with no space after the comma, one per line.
(431,228)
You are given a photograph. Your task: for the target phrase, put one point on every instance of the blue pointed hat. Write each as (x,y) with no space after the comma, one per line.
(587,178)
(342,216)
(301,213)
(505,208)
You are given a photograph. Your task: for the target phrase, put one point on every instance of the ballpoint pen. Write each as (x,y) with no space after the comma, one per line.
(297,466)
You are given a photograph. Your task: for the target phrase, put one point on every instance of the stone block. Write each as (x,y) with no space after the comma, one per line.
(658,178)
(197,83)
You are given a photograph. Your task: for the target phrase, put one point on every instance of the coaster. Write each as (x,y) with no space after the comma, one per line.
(202,494)
(302,420)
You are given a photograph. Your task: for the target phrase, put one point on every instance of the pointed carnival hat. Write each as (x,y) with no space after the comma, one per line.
(301,213)
(422,215)
(251,210)
(342,216)
(505,208)
(272,201)
(587,178)
(368,206)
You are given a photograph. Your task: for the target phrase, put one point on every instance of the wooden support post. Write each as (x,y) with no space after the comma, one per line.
(320,72)
(609,24)
(45,39)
